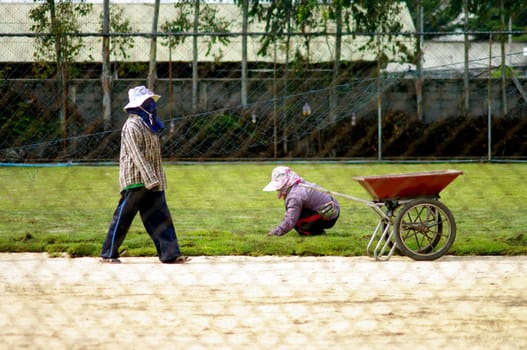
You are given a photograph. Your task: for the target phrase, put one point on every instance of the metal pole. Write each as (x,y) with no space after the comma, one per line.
(106,74)
(153,48)
(504,107)
(379,103)
(419,83)
(274,106)
(466,88)
(489,107)
(195,72)
(244,52)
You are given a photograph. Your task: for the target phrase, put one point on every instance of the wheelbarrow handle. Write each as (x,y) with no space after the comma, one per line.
(323,190)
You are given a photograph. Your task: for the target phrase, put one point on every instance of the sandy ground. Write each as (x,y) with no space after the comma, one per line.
(263,303)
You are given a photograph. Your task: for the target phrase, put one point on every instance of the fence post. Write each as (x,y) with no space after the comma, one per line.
(244,52)
(419,82)
(106,79)
(195,78)
(489,104)
(379,101)
(466,77)
(275,121)
(504,107)
(153,48)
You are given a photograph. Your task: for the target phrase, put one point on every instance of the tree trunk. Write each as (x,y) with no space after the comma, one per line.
(503,62)
(61,74)
(489,103)
(153,47)
(195,58)
(244,52)
(336,63)
(379,100)
(285,87)
(419,82)
(106,76)
(466,77)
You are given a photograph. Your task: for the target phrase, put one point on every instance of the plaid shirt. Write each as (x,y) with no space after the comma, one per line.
(140,158)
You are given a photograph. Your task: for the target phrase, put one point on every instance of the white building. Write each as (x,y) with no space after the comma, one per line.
(14,20)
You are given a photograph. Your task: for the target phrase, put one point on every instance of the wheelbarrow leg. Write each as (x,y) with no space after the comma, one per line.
(383,240)
(373,239)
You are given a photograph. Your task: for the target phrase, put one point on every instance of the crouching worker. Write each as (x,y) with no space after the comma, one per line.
(308,211)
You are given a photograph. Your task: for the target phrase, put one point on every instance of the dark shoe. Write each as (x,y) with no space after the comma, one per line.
(179,260)
(110,261)
(114,260)
(311,233)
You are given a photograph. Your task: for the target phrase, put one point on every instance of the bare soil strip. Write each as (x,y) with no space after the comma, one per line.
(238,302)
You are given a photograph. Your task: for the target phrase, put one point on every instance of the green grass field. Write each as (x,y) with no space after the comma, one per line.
(220,209)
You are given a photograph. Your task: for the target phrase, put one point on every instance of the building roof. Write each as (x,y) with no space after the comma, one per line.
(451,55)
(14,19)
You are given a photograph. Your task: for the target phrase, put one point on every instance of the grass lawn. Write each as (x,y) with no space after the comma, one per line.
(220,209)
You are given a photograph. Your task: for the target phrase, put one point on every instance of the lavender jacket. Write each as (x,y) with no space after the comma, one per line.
(298,198)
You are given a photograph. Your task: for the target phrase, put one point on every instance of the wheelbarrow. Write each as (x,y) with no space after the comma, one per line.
(412,220)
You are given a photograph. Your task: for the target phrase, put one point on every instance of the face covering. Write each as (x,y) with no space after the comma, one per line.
(148,113)
(290,178)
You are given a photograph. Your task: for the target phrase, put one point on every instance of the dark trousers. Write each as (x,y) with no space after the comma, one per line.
(311,223)
(152,207)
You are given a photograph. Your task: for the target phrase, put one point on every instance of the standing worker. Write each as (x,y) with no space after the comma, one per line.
(142,182)
(307,210)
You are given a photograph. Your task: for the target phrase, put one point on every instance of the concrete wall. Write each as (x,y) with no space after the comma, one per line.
(441,98)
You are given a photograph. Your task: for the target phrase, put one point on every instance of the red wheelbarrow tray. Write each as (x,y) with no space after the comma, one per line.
(408,185)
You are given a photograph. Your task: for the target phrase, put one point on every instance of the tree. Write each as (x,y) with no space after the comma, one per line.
(106,79)
(245,26)
(153,47)
(365,17)
(332,18)
(57,23)
(196,17)
(118,44)
(488,16)
(282,19)
(436,15)
(112,21)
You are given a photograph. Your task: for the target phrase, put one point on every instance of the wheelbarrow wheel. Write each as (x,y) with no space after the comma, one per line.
(424,229)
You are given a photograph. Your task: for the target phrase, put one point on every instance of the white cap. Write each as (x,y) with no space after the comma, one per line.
(279,179)
(138,95)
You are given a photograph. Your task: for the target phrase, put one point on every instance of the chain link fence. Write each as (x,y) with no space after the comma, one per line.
(281,97)
(389,96)
(284,303)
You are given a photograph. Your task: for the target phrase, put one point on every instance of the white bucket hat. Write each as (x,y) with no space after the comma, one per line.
(138,95)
